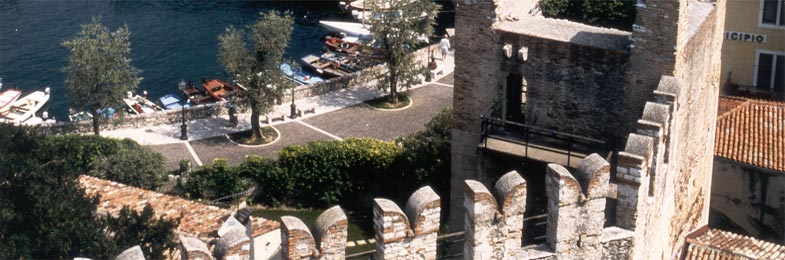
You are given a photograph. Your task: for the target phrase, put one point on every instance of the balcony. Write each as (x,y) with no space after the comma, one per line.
(519,139)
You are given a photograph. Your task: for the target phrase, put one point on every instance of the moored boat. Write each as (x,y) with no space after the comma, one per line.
(140,105)
(74,116)
(324,67)
(299,77)
(172,101)
(8,97)
(24,108)
(195,95)
(339,45)
(219,89)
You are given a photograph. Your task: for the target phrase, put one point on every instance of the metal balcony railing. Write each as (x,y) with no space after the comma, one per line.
(528,136)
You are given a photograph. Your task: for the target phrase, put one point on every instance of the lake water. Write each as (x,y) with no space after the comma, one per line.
(170,39)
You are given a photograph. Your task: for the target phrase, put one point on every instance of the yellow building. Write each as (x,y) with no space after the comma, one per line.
(753,52)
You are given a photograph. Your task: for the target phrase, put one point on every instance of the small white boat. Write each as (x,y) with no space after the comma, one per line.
(7,97)
(25,108)
(140,105)
(350,29)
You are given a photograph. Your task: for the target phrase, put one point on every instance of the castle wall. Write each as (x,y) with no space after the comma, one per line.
(477,61)
(571,88)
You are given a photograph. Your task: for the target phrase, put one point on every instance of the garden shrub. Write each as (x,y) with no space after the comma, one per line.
(215,181)
(322,173)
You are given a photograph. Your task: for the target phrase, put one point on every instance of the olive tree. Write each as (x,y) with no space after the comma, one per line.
(252,58)
(99,70)
(398,27)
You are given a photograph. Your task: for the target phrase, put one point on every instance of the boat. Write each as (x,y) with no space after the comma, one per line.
(299,77)
(140,105)
(24,108)
(173,101)
(324,67)
(219,89)
(339,45)
(196,96)
(350,29)
(7,97)
(74,116)
(347,62)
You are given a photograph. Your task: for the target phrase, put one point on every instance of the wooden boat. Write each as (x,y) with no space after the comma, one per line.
(24,108)
(219,89)
(299,77)
(7,97)
(196,96)
(339,45)
(347,62)
(172,101)
(324,67)
(140,105)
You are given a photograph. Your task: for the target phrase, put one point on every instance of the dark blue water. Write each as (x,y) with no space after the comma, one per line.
(170,39)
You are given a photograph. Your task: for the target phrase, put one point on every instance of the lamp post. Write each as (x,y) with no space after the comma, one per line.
(183,127)
(293,107)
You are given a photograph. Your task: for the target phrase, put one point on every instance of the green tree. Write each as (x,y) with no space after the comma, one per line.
(44,213)
(256,65)
(155,236)
(123,161)
(398,27)
(99,70)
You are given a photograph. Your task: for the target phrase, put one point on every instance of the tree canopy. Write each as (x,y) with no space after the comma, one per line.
(99,70)
(252,58)
(45,213)
(399,27)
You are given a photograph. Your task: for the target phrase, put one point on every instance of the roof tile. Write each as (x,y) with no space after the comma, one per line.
(752,132)
(719,244)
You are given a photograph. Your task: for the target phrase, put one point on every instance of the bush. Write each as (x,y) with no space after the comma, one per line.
(216,181)
(273,182)
(321,173)
(123,161)
(155,235)
(426,154)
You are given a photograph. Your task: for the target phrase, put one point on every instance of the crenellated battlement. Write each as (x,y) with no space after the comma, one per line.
(329,242)
(409,235)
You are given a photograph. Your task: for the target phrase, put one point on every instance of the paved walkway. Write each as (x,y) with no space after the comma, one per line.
(338,115)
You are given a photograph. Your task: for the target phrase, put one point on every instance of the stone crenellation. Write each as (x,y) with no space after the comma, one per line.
(329,242)
(409,235)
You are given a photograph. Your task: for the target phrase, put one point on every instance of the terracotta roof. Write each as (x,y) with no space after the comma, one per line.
(707,243)
(198,220)
(752,132)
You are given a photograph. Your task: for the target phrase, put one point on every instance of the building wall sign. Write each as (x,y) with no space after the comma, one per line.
(745,37)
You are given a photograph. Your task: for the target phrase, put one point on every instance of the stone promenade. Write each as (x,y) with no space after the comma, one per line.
(341,114)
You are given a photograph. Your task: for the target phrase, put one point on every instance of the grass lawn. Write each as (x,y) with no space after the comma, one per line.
(382,102)
(242,137)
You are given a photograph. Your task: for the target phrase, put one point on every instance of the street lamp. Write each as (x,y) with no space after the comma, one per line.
(293,107)
(183,127)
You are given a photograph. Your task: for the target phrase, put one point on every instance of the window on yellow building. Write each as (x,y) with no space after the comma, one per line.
(770,72)
(773,12)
